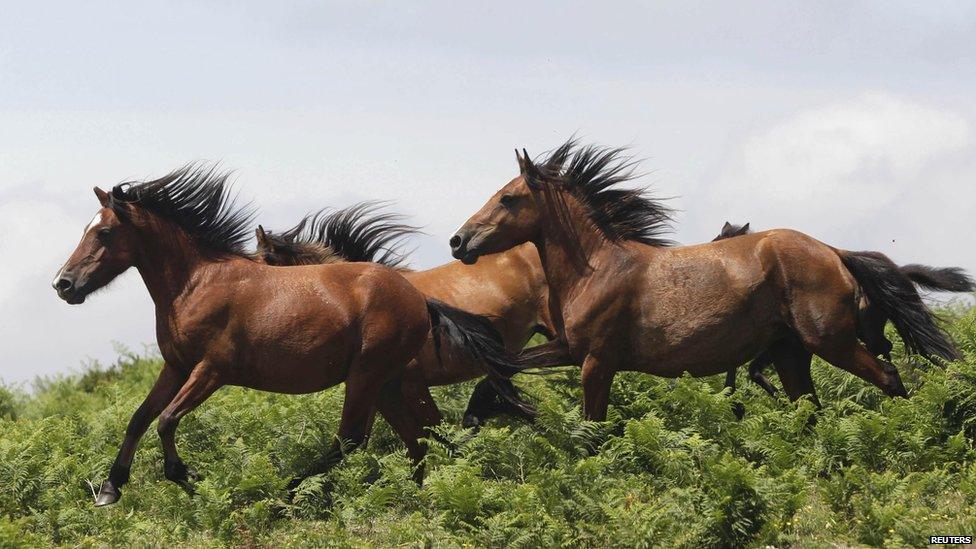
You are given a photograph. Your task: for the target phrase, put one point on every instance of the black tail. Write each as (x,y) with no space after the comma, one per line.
(892,291)
(476,336)
(948,279)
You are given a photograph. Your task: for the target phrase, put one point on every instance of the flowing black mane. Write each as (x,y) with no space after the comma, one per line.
(591,174)
(197,198)
(357,233)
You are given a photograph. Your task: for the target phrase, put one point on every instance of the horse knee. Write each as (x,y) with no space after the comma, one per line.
(166,425)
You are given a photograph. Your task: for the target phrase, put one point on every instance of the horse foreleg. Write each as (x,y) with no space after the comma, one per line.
(162,392)
(755,372)
(481,406)
(597,376)
(418,398)
(202,383)
(730,379)
(737,407)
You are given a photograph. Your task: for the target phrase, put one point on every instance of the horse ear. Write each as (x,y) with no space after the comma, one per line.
(727,226)
(521,163)
(745,228)
(530,171)
(103,197)
(262,238)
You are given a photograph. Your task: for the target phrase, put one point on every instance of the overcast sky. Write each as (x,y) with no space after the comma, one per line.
(852,121)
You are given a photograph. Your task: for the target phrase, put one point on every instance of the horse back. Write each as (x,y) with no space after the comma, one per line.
(299,329)
(508,287)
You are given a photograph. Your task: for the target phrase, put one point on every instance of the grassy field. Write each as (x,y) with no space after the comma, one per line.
(672,467)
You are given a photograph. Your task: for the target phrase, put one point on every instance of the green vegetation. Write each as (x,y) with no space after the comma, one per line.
(672,466)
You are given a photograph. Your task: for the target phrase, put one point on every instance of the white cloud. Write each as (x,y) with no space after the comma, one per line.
(834,170)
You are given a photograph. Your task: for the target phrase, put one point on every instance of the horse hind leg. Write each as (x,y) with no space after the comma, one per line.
(394,408)
(755,374)
(833,335)
(870,328)
(792,362)
(738,408)
(358,411)
(857,360)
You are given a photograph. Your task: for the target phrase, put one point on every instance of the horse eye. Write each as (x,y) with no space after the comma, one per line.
(507,200)
(104,234)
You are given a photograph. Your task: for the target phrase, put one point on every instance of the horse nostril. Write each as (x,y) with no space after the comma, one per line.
(63,284)
(455,241)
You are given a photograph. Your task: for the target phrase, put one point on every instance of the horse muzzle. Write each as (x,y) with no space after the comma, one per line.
(464,246)
(67,288)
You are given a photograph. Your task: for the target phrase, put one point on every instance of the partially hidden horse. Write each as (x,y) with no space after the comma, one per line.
(224,319)
(933,279)
(508,288)
(623,298)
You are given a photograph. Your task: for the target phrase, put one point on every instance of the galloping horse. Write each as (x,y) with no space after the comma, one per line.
(935,279)
(224,319)
(508,288)
(623,299)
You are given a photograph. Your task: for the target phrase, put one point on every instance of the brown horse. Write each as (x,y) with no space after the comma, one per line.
(509,288)
(945,279)
(224,319)
(623,299)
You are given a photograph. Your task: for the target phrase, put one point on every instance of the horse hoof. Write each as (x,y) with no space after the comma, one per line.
(739,410)
(187,487)
(293,485)
(471,422)
(107,494)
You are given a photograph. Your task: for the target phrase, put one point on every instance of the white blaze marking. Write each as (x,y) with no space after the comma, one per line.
(95,221)
(99,216)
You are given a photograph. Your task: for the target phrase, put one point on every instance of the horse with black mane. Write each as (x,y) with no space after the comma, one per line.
(224,319)
(873,320)
(623,298)
(508,288)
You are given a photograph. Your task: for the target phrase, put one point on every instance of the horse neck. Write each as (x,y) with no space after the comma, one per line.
(529,255)
(168,263)
(559,247)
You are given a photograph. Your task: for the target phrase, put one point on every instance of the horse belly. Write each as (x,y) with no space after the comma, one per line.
(701,352)
(294,347)
(715,320)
